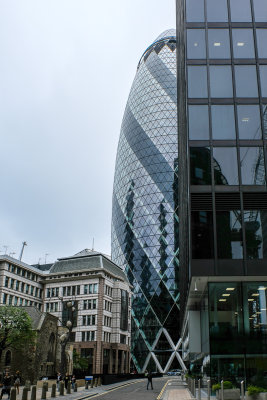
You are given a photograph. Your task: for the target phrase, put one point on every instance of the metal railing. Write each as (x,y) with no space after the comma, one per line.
(206,388)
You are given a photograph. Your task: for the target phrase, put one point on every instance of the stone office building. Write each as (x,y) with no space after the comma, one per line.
(100,294)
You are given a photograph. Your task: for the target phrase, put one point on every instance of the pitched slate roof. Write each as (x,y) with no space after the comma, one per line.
(87,260)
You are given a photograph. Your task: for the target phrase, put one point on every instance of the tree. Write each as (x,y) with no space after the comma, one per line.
(16,329)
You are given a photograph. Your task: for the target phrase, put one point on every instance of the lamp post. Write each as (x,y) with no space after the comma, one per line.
(65,337)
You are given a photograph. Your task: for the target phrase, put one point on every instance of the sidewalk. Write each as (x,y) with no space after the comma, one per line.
(82,393)
(175,389)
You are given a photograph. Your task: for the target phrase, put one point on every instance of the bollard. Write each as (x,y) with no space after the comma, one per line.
(86,384)
(208,382)
(75,387)
(199,389)
(222,393)
(24,393)
(92,383)
(95,382)
(242,391)
(61,388)
(99,383)
(53,390)
(69,388)
(13,394)
(33,393)
(28,385)
(43,396)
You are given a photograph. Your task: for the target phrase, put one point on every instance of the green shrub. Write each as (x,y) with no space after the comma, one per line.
(253,390)
(226,385)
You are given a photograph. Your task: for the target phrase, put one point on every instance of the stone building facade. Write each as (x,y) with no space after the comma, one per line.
(101,295)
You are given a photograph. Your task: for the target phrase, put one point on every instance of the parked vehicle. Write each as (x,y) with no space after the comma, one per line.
(174,372)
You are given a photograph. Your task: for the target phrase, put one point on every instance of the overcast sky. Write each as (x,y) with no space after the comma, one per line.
(66,68)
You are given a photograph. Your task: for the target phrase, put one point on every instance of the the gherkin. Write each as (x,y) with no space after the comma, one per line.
(144,217)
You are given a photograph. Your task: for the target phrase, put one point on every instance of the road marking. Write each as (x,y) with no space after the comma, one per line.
(111,390)
(162,390)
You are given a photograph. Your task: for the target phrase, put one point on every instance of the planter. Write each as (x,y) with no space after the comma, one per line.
(258,396)
(228,394)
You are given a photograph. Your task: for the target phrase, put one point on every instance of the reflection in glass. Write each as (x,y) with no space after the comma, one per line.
(246,81)
(229,235)
(240,10)
(263,79)
(255,317)
(217,11)
(197,81)
(264,114)
(243,43)
(256,233)
(198,122)
(202,233)
(252,165)
(223,122)
(260,10)
(249,123)
(261,41)
(196,43)
(219,46)
(200,166)
(221,81)
(225,166)
(195,10)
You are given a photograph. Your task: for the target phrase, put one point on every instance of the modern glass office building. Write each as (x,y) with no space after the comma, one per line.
(222,124)
(144,218)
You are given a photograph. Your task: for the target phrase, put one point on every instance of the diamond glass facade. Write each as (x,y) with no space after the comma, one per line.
(144,217)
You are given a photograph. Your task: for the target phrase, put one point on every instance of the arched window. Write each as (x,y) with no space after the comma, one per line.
(51,348)
(8,358)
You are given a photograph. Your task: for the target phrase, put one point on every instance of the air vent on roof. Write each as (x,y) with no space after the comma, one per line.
(201,201)
(255,201)
(227,201)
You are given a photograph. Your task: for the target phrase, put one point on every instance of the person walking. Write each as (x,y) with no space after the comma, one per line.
(73,380)
(6,385)
(149,380)
(59,379)
(17,381)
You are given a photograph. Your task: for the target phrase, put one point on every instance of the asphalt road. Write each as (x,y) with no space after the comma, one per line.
(134,391)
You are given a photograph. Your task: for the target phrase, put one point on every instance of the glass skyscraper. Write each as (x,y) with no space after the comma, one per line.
(144,218)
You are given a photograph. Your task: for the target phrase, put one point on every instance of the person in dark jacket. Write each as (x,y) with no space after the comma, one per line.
(149,380)
(6,385)
(17,381)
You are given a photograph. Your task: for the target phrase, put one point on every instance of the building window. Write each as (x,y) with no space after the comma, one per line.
(260,10)
(223,122)
(243,43)
(17,285)
(240,10)
(261,41)
(249,123)
(256,234)
(6,281)
(10,300)
(198,122)
(195,10)
(225,166)
(252,165)
(263,78)
(219,43)
(217,11)
(8,358)
(196,44)
(221,81)
(200,166)
(197,82)
(85,289)
(4,298)
(202,234)
(229,235)
(246,81)
(12,283)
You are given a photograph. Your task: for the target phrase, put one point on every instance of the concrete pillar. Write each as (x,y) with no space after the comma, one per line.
(43,396)
(110,361)
(33,393)
(69,388)
(116,361)
(24,394)
(122,362)
(53,391)
(61,388)
(75,387)
(13,394)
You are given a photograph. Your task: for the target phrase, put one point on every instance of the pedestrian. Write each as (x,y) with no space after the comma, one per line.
(59,379)
(17,381)
(6,385)
(149,380)
(66,381)
(73,380)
